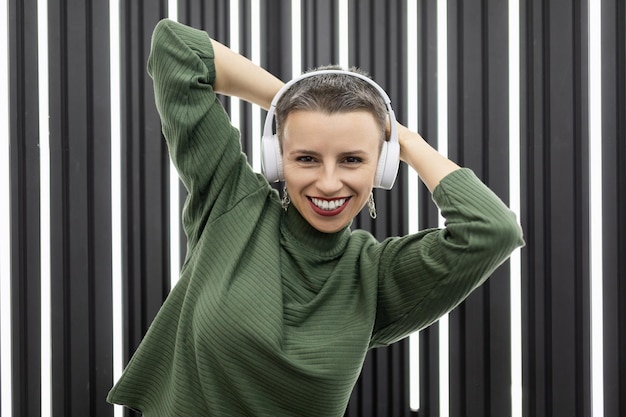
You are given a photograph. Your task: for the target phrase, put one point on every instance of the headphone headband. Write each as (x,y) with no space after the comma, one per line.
(388,161)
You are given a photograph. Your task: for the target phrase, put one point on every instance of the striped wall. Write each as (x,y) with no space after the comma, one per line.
(530,94)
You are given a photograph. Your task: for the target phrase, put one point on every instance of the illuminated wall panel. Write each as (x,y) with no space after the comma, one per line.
(530,95)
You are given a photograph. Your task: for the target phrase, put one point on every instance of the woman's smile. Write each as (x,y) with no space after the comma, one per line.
(329,207)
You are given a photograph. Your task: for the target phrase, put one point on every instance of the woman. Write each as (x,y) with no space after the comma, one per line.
(278,300)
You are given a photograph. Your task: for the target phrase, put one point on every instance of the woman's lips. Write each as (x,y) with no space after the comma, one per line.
(328,207)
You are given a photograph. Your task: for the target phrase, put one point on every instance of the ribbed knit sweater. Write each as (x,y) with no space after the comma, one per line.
(271,317)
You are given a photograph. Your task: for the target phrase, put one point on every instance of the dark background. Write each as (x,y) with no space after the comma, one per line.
(554,191)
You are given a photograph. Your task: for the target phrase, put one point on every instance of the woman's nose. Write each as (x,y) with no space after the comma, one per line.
(328,180)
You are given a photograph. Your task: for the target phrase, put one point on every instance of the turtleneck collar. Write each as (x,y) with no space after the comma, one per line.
(299,232)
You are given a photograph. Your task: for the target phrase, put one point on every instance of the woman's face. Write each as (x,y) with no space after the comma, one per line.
(329,164)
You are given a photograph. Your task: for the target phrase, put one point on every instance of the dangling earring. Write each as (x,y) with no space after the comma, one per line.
(371,205)
(284,203)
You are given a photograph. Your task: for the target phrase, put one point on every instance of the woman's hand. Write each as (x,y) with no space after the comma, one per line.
(429,164)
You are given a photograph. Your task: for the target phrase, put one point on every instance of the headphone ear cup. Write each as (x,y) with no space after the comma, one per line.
(272,162)
(388,164)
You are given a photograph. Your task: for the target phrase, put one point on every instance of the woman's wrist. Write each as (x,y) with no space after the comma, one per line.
(430,165)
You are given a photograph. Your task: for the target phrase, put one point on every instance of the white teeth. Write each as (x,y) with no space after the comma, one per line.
(328,205)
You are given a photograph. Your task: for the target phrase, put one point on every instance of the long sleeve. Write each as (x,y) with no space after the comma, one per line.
(424,276)
(203,145)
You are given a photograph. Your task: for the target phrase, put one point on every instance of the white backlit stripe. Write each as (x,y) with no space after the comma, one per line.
(442,124)
(413,182)
(255,49)
(595,208)
(116,196)
(175,221)
(174,187)
(444,366)
(296,38)
(172,10)
(514,204)
(442,77)
(235,111)
(6,400)
(44,184)
(344,34)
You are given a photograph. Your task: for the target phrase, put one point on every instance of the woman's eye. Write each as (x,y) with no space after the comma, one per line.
(305,159)
(353,160)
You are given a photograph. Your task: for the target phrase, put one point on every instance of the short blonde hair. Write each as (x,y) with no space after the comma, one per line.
(332,93)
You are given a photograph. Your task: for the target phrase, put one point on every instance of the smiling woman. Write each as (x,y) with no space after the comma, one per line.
(276,309)
(551,316)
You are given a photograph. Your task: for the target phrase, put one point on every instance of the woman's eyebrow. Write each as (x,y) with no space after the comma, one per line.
(304,152)
(357,152)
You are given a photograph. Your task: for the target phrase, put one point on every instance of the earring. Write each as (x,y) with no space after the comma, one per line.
(284,203)
(371,206)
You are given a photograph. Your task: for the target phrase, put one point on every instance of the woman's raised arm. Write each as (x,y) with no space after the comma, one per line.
(236,75)
(430,165)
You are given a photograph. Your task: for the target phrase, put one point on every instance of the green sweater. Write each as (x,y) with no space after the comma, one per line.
(271,317)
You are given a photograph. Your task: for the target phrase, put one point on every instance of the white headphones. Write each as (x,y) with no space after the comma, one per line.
(388,161)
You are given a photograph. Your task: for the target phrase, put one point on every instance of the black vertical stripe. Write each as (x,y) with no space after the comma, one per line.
(80,206)
(614,203)
(25,201)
